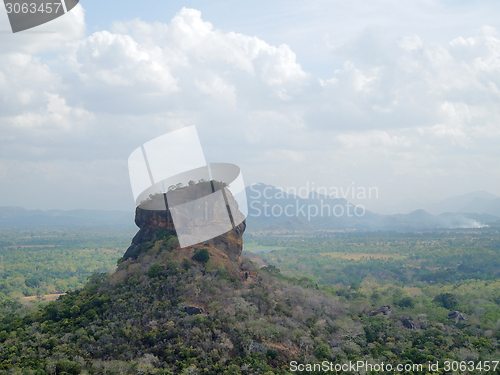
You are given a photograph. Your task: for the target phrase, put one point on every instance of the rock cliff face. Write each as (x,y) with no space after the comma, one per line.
(155,221)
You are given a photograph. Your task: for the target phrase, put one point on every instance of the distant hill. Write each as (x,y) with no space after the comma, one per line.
(268,211)
(20,217)
(458,203)
(476,202)
(269,208)
(483,206)
(416,216)
(404,207)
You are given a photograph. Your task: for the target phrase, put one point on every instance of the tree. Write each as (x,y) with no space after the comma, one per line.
(404,302)
(447,300)
(322,352)
(349,330)
(155,270)
(273,270)
(355,286)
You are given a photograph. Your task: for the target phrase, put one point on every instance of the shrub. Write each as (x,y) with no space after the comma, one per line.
(172,243)
(447,300)
(164,235)
(202,256)
(322,352)
(404,302)
(64,366)
(155,270)
(273,270)
(186,264)
(272,354)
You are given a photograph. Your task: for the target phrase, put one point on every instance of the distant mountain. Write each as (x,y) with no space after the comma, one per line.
(20,217)
(483,206)
(476,202)
(421,220)
(416,216)
(269,208)
(458,203)
(404,207)
(272,209)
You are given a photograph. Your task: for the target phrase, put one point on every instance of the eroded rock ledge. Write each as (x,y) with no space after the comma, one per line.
(154,224)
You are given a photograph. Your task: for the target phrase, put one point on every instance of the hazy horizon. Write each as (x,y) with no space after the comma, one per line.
(402,207)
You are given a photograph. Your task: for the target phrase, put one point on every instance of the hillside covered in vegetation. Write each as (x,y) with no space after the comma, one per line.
(205,310)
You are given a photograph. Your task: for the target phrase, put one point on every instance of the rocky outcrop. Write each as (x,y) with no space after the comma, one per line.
(384,310)
(457,316)
(193,310)
(155,222)
(408,323)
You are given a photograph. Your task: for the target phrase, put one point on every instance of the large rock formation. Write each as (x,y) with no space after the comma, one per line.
(155,221)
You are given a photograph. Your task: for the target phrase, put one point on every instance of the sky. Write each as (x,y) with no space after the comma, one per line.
(401,96)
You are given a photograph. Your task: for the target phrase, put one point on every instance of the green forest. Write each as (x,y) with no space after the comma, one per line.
(39,262)
(389,257)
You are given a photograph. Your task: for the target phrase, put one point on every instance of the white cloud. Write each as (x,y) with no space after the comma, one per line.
(106,59)
(288,156)
(219,89)
(398,109)
(23,79)
(374,139)
(411,43)
(58,116)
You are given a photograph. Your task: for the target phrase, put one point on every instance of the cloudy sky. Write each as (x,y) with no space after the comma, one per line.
(395,95)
